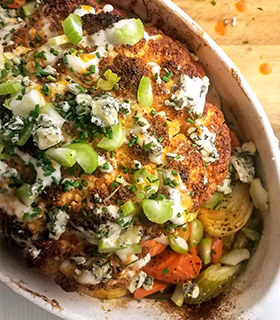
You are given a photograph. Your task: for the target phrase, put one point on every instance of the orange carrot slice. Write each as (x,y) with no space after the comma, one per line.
(141,292)
(172,267)
(154,248)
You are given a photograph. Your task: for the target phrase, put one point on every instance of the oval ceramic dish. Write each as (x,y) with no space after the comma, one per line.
(259,287)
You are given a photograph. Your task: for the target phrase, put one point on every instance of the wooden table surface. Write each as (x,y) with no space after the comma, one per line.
(255,40)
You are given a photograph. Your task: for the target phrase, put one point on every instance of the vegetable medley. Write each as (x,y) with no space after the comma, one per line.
(117,174)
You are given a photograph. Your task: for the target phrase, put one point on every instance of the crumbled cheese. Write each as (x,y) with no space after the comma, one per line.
(46,133)
(12,129)
(137,281)
(192,94)
(74,88)
(155,68)
(100,272)
(108,8)
(104,110)
(205,142)
(57,225)
(101,163)
(225,186)
(50,70)
(136,165)
(191,290)
(27,104)
(9,174)
(174,156)
(243,164)
(64,105)
(125,107)
(34,252)
(84,102)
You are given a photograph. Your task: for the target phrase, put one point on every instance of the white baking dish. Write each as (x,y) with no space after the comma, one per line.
(259,288)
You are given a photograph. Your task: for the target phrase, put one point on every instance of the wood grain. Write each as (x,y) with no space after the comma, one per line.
(259,25)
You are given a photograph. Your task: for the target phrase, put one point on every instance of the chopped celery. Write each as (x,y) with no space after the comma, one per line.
(234,257)
(211,282)
(204,250)
(29,8)
(196,232)
(214,200)
(111,80)
(178,244)
(259,195)
(131,32)
(132,249)
(117,140)
(145,92)
(158,211)
(72,27)
(131,235)
(87,157)
(10,87)
(127,208)
(105,245)
(145,181)
(49,109)
(178,295)
(64,157)
(26,134)
(59,40)
(251,234)
(241,241)
(23,193)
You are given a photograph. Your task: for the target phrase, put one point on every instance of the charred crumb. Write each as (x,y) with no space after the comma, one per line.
(66,283)
(93,23)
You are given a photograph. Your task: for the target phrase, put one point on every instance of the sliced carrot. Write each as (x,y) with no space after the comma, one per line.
(141,292)
(154,248)
(234,140)
(217,249)
(193,250)
(185,232)
(15,4)
(172,267)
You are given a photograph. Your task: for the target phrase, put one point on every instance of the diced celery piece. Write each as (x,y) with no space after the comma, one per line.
(132,249)
(145,92)
(196,232)
(214,200)
(251,234)
(212,282)
(59,40)
(72,27)
(145,181)
(24,195)
(111,80)
(178,295)
(63,156)
(29,8)
(131,32)
(26,134)
(178,244)
(158,211)
(127,208)
(204,250)
(259,195)
(117,140)
(87,157)
(234,257)
(105,245)
(10,87)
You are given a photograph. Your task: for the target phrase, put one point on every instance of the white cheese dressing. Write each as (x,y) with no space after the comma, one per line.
(192,94)
(155,68)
